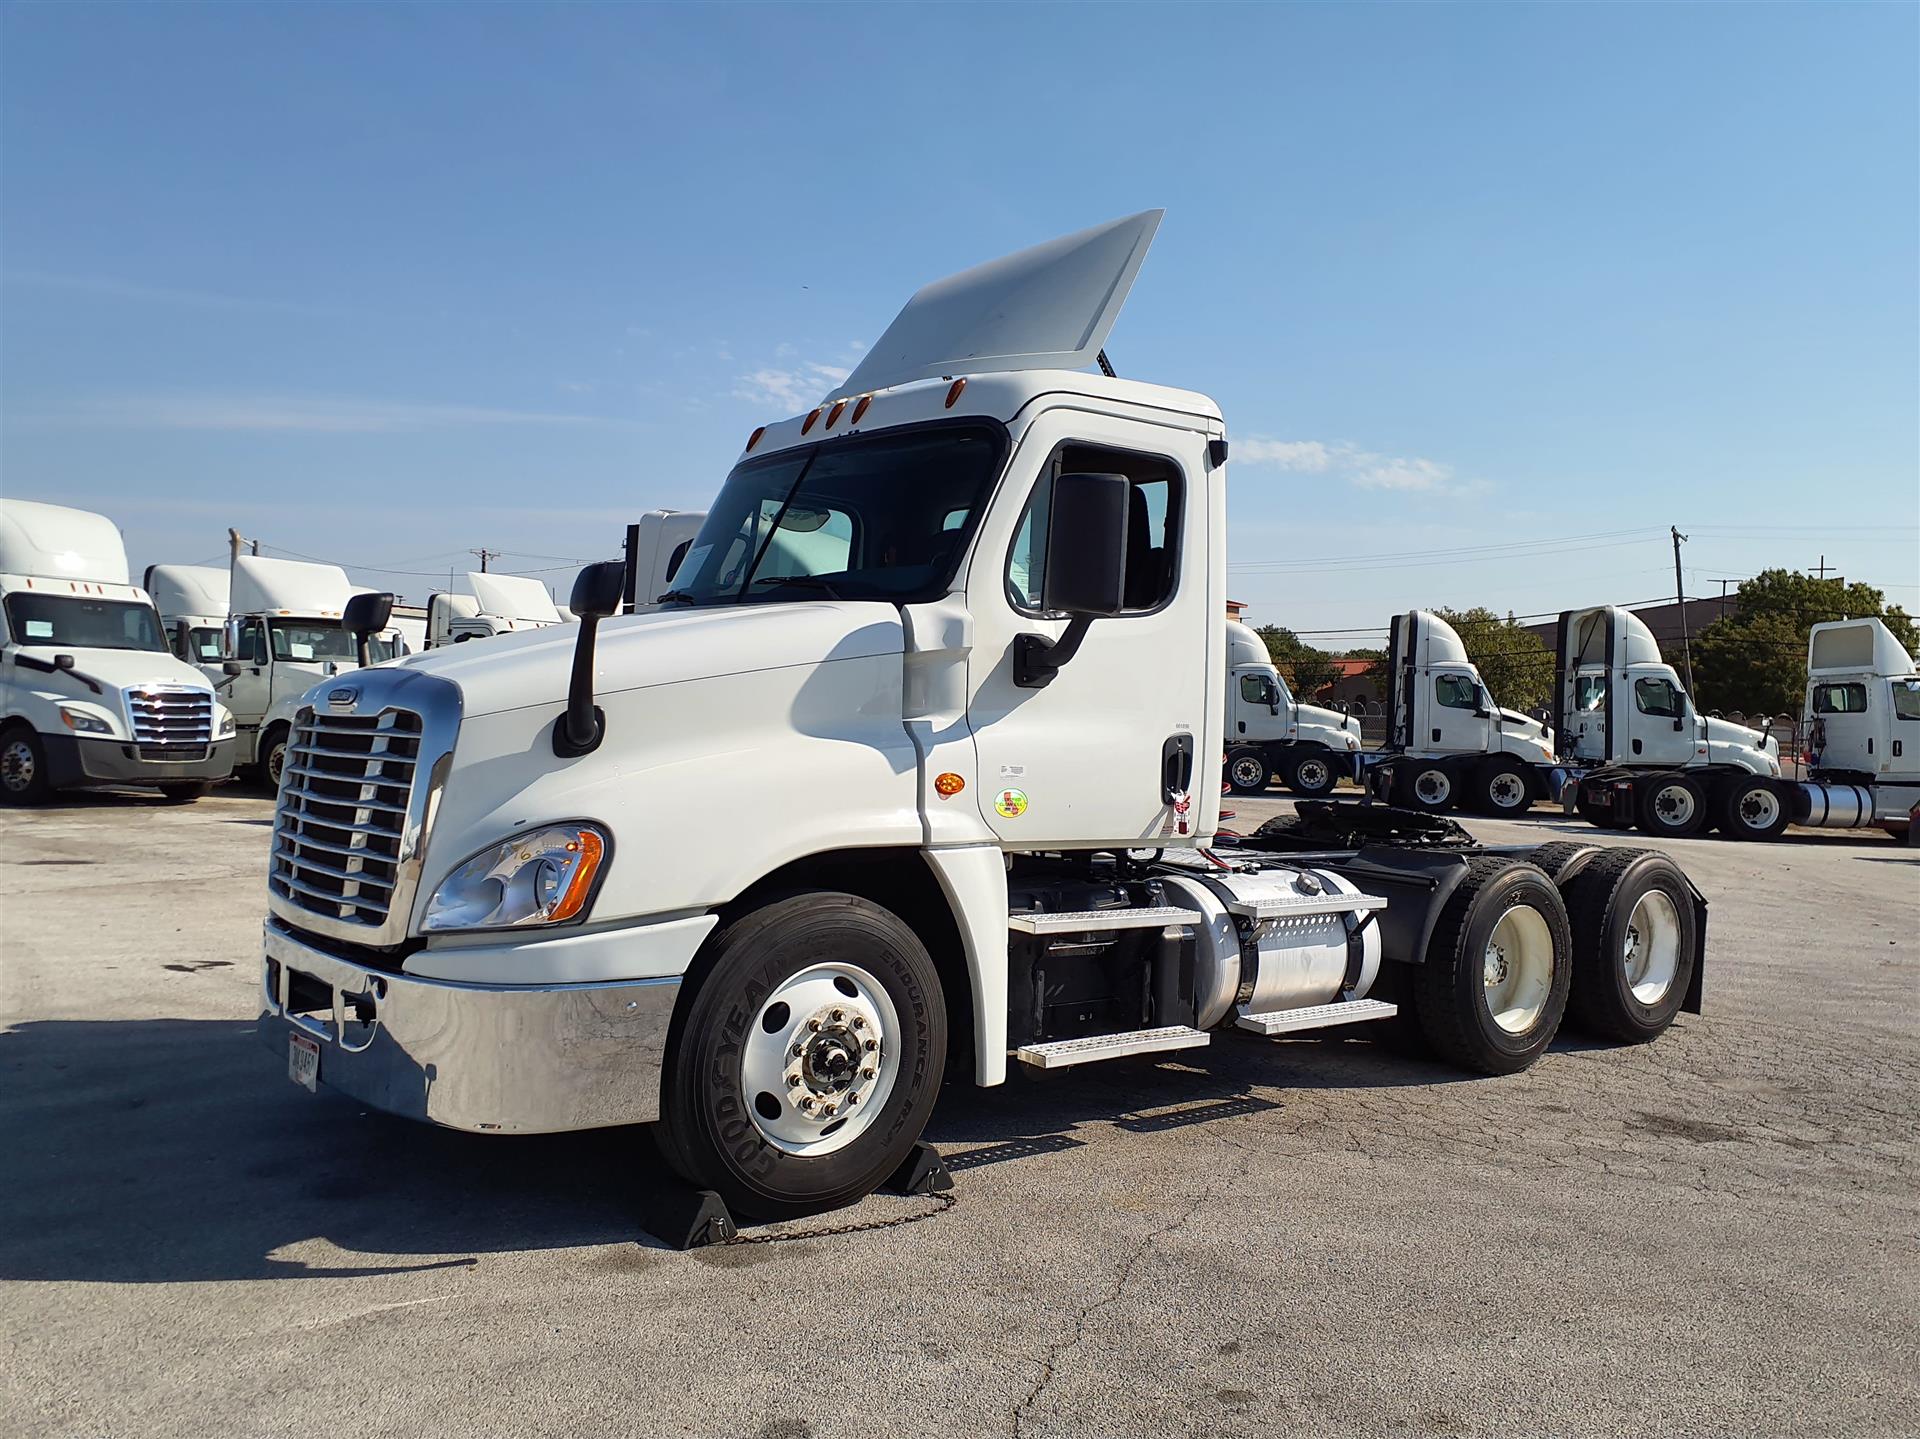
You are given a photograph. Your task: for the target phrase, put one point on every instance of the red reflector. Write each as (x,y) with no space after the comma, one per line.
(754,438)
(834,413)
(953,392)
(860,408)
(811,417)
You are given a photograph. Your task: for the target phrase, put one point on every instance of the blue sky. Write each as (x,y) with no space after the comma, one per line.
(384,285)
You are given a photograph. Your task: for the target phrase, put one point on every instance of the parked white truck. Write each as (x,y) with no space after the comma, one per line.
(1647,755)
(499,605)
(192,600)
(89,694)
(656,544)
(501,898)
(283,635)
(1863,730)
(1270,733)
(1450,743)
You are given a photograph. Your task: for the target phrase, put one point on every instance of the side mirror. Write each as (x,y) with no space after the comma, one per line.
(597,593)
(1678,724)
(63,662)
(366,614)
(231,667)
(1086,569)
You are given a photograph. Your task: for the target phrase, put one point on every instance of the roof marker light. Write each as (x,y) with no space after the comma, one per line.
(953,392)
(754,438)
(834,413)
(860,408)
(812,415)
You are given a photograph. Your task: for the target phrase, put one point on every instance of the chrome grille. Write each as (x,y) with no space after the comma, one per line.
(340,834)
(171,722)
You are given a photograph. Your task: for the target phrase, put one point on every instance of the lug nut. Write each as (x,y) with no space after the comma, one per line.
(826,1111)
(798,1051)
(852,1099)
(814,1025)
(859,1022)
(872,1044)
(793,1081)
(838,1015)
(867,1073)
(807,1104)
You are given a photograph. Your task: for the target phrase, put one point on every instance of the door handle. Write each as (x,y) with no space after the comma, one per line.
(1176,767)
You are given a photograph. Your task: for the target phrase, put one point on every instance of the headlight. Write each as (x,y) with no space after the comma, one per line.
(223,727)
(84,723)
(543,877)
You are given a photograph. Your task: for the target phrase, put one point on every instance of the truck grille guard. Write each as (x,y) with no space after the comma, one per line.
(364,759)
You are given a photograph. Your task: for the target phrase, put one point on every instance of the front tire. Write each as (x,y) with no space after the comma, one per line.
(1311,774)
(270,768)
(1502,788)
(23,767)
(1247,771)
(1672,806)
(1634,941)
(1750,808)
(806,1057)
(1493,988)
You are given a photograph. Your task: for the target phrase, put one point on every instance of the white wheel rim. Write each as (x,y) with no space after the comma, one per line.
(1758,808)
(1517,969)
(1508,791)
(1650,955)
(1313,773)
(276,763)
(16,766)
(1433,786)
(820,1059)
(1674,804)
(1246,772)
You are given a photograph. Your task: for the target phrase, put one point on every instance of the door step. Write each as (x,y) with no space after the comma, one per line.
(1270,907)
(1079,921)
(1317,1016)
(1060,1053)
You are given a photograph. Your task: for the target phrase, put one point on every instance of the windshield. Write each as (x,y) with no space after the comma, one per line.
(302,640)
(86,624)
(1906,699)
(874,517)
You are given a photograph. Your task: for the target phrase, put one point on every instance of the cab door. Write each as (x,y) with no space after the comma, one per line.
(1461,720)
(1663,722)
(1091,757)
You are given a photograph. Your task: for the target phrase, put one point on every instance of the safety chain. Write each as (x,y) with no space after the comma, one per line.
(942,1203)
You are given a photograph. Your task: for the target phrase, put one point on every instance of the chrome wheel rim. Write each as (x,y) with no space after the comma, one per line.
(1650,950)
(17,766)
(1517,969)
(1432,786)
(1758,808)
(1247,773)
(1507,790)
(1314,774)
(1674,804)
(820,1059)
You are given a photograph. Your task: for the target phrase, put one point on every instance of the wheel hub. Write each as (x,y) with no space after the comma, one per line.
(1496,966)
(1432,786)
(817,1061)
(1505,790)
(16,766)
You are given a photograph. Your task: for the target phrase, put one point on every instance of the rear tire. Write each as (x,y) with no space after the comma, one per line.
(1426,787)
(1494,985)
(1502,788)
(1634,939)
(1554,858)
(1749,807)
(729,1119)
(1312,774)
(23,767)
(185,792)
(1247,770)
(1672,806)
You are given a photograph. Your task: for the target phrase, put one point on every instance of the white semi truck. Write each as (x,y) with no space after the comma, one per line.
(1450,743)
(89,693)
(1269,733)
(1647,756)
(192,600)
(1863,730)
(283,635)
(966,612)
(499,605)
(656,544)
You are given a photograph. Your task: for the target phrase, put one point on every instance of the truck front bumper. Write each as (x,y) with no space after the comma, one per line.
(74,763)
(531,1059)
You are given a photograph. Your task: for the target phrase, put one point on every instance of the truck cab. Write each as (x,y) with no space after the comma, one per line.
(192,600)
(1862,706)
(1450,743)
(1269,732)
(283,635)
(90,693)
(499,605)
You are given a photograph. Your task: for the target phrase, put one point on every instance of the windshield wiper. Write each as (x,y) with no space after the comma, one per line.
(811,582)
(680,597)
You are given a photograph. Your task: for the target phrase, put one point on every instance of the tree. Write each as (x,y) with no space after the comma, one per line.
(1755,659)
(1307,669)
(1515,662)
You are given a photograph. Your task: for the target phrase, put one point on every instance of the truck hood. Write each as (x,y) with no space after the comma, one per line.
(125,669)
(1720,731)
(1527,724)
(531,668)
(1317,715)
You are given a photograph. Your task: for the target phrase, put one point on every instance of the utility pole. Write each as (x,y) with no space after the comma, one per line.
(1820,571)
(485,555)
(234,540)
(1680,594)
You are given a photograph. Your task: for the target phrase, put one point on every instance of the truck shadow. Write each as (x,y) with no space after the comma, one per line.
(169,1150)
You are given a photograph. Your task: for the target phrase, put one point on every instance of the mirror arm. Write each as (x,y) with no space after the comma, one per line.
(1037,659)
(583,725)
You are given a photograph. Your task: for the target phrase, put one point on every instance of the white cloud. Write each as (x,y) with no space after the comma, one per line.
(312,414)
(788,388)
(1363,469)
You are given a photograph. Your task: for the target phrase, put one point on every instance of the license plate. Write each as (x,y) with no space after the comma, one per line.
(303,1061)
(1600,797)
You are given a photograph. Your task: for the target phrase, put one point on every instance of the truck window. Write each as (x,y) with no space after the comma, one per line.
(203,646)
(1589,693)
(860,517)
(1906,699)
(1659,697)
(1840,699)
(1153,526)
(1255,690)
(1456,692)
(83,623)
